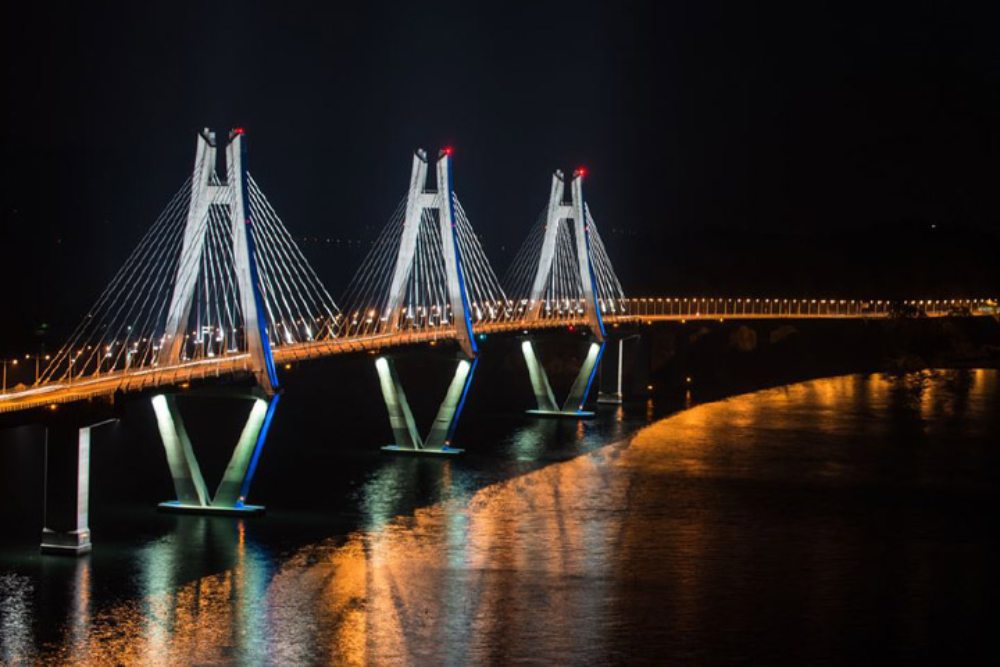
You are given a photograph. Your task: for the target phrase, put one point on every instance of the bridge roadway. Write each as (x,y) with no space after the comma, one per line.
(637,311)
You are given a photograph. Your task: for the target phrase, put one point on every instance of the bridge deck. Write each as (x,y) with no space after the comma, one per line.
(641,311)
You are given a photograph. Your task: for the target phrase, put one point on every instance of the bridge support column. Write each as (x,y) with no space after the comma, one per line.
(189,485)
(617,396)
(67,490)
(614,397)
(577,398)
(401,419)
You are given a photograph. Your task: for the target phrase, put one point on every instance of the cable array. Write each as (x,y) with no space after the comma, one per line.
(425,300)
(487,300)
(299,307)
(183,280)
(127,326)
(561,293)
(123,328)
(610,295)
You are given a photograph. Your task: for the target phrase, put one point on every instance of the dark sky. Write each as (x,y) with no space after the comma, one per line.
(691,117)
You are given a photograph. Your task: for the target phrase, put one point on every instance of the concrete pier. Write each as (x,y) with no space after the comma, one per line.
(67,490)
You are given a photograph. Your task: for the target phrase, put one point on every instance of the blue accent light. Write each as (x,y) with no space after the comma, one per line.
(258,300)
(258,446)
(458,261)
(461,401)
(593,280)
(593,372)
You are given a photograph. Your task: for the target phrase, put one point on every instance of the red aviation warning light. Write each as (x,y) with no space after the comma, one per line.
(580,171)
(447,150)
(238,130)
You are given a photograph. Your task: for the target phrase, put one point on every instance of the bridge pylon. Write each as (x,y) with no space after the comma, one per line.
(563,275)
(439,203)
(419,203)
(231,194)
(213,286)
(231,200)
(426,279)
(574,214)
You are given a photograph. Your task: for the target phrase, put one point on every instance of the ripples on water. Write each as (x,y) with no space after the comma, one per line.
(839,520)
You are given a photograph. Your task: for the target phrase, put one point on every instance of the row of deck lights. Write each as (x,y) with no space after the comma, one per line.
(72,359)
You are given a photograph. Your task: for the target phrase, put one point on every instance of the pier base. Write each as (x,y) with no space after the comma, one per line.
(444,451)
(609,399)
(177,507)
(567,414)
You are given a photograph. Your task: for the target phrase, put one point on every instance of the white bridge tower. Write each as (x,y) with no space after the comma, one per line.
(421,206)
(571,281)
(207,190)
(232,197)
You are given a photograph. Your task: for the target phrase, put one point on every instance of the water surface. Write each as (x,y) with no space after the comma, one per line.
(838,520)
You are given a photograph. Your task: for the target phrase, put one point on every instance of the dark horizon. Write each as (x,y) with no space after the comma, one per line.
(757,134)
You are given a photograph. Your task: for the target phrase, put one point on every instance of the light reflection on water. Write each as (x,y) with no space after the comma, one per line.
(719,532)
(15,618)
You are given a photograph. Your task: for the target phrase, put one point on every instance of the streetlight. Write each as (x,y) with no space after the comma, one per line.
(12,362)
(37,359)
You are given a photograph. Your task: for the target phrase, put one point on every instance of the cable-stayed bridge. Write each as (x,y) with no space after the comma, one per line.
(217,289)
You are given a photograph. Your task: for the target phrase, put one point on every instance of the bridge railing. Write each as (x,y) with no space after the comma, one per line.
(507,317)
(563,309)
(652,308)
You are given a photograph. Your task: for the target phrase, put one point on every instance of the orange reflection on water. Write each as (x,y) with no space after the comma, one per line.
(396,594)
(556,558)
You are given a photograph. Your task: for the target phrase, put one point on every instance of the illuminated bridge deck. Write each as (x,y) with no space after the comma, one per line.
(641,311)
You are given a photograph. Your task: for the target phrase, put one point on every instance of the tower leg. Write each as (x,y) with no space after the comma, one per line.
(401,419)
(192,494)
(451,407)
(67,490)
(404,428)
(235,484)
(573,407)
(544,397)
(584,379)
(189,485)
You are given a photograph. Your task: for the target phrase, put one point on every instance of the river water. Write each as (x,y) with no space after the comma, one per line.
(842,520)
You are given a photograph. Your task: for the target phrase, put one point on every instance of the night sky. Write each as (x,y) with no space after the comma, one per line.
(732,149)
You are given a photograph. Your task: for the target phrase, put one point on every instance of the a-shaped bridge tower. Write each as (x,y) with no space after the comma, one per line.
(426,274)
(214,207)
(562,273)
